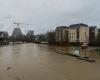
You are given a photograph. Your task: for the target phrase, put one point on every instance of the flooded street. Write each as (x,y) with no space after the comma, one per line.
(41,62)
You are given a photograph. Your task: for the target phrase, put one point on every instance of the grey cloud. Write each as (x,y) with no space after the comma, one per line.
(43,15)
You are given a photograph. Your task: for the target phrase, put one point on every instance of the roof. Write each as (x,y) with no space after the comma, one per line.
(92,27)
(78,25)
(61,27)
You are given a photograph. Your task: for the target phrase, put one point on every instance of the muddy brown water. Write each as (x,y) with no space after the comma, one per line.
(41,62)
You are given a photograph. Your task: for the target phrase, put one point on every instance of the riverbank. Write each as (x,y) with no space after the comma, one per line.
(91,49)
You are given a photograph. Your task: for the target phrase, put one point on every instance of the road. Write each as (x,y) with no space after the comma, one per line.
(41,62)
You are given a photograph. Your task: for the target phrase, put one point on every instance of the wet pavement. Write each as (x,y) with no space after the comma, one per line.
(41,62)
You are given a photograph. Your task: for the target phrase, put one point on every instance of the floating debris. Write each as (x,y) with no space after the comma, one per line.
(8,68)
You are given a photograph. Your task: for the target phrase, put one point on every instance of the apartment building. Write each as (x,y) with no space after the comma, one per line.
(78,33)
(61,34)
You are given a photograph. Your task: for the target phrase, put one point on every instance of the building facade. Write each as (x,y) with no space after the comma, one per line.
(93,32)
(78,34)
(51,38)
(61,34)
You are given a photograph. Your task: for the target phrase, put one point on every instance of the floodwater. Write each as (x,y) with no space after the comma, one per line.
(41,62)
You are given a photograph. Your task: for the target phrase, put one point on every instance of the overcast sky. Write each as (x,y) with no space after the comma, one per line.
(45,15)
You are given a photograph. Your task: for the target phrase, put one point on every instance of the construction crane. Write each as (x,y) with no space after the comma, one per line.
(17,24)
(25,24)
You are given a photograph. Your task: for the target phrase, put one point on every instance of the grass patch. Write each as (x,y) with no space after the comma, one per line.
(98,51)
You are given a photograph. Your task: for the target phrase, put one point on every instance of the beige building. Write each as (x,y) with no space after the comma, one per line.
(74,34)
(78,33)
